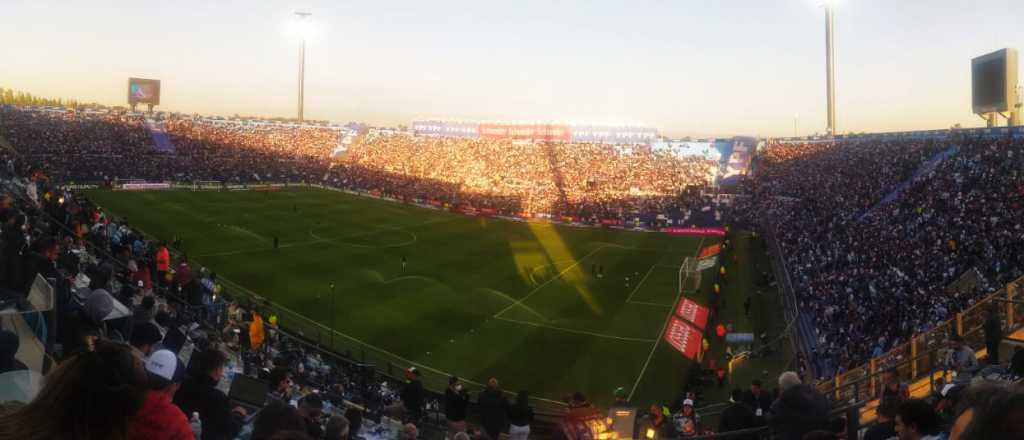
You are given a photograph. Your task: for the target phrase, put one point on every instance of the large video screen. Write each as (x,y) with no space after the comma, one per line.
(143,91)
(993,78)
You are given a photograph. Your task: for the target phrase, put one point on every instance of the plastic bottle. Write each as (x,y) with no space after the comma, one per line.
(197,425)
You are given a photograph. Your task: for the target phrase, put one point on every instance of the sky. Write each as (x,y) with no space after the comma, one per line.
(686,67)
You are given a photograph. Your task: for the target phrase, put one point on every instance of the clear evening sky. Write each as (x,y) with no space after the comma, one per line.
(698,67)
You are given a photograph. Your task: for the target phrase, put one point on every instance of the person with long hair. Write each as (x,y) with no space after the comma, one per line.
(91,396)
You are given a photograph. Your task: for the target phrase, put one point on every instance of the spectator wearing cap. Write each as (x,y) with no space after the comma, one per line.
(800,409)
(885,426)
(738,415)
(456,400)
(412,394)
(199,393)
(159,419)
(686,422)
(917,420)
(145,337)
(311,409)
(493,409)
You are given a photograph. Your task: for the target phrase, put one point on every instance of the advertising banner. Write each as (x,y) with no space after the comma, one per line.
(706,263)
(683,337)
(526,132)
(613,135)
(696,231)
(709,251)
(695,313)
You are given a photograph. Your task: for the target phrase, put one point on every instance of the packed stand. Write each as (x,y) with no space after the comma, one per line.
(578,180)
(872,274)
(588,182)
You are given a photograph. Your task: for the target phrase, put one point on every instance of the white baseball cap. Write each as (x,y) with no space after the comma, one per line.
(688,402)
(165,365)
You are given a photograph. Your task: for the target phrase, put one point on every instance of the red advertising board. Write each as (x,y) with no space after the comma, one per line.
(695,313)
(534,132)
(696,231)
(710,251)
(683,337)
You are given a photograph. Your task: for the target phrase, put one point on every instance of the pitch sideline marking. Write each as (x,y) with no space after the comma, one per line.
(534,291)
(668,316)
(582,332)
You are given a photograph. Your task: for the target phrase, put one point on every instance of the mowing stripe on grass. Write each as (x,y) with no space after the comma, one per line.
(654,346)
(532,292)
(581,332)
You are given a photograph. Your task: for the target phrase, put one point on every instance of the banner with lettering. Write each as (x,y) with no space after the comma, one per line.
(710,251)
(683,337)
(695,313)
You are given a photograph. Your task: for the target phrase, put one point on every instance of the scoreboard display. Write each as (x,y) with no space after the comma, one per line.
(994,81)
(143,91)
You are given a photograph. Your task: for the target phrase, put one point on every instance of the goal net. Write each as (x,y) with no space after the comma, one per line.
(689,276)
(207,185)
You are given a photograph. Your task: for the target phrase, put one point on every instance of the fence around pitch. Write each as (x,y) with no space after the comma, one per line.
(921,361)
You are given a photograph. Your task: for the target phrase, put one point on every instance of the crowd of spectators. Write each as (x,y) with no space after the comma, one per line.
(168,363)
(579,180)
(872,274)
(584,181)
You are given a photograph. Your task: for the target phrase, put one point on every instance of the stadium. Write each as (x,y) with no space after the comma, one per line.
(174,274)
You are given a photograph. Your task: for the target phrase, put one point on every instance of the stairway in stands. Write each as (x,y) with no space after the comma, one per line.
(926,167)
(160,139)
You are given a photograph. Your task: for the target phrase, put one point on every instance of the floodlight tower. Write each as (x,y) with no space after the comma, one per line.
(830,68)
(304,19)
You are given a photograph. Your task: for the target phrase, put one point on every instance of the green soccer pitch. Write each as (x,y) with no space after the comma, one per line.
(478,298)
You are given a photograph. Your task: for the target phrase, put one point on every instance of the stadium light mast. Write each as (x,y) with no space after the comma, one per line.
(304,19)
(830,68)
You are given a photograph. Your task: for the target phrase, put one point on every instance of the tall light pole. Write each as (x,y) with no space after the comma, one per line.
(303,18)
(830,68)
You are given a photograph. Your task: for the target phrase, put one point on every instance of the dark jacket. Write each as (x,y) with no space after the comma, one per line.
(520,415)
(762,400)
(993,331)
(493,411)
(412,397)
(881,431)
(799,410)
(455,405)
(737,416)
(200,394)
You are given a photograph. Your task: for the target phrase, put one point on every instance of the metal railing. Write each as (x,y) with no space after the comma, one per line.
(923,358)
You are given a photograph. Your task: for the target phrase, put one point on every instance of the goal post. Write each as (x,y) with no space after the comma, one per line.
(689,276)
(207,185)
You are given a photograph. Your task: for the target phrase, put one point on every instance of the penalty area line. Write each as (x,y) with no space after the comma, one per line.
(654,346)
(532,292)
(580,332)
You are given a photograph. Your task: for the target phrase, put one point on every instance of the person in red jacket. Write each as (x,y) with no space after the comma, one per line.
(163,264)
(159,418)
